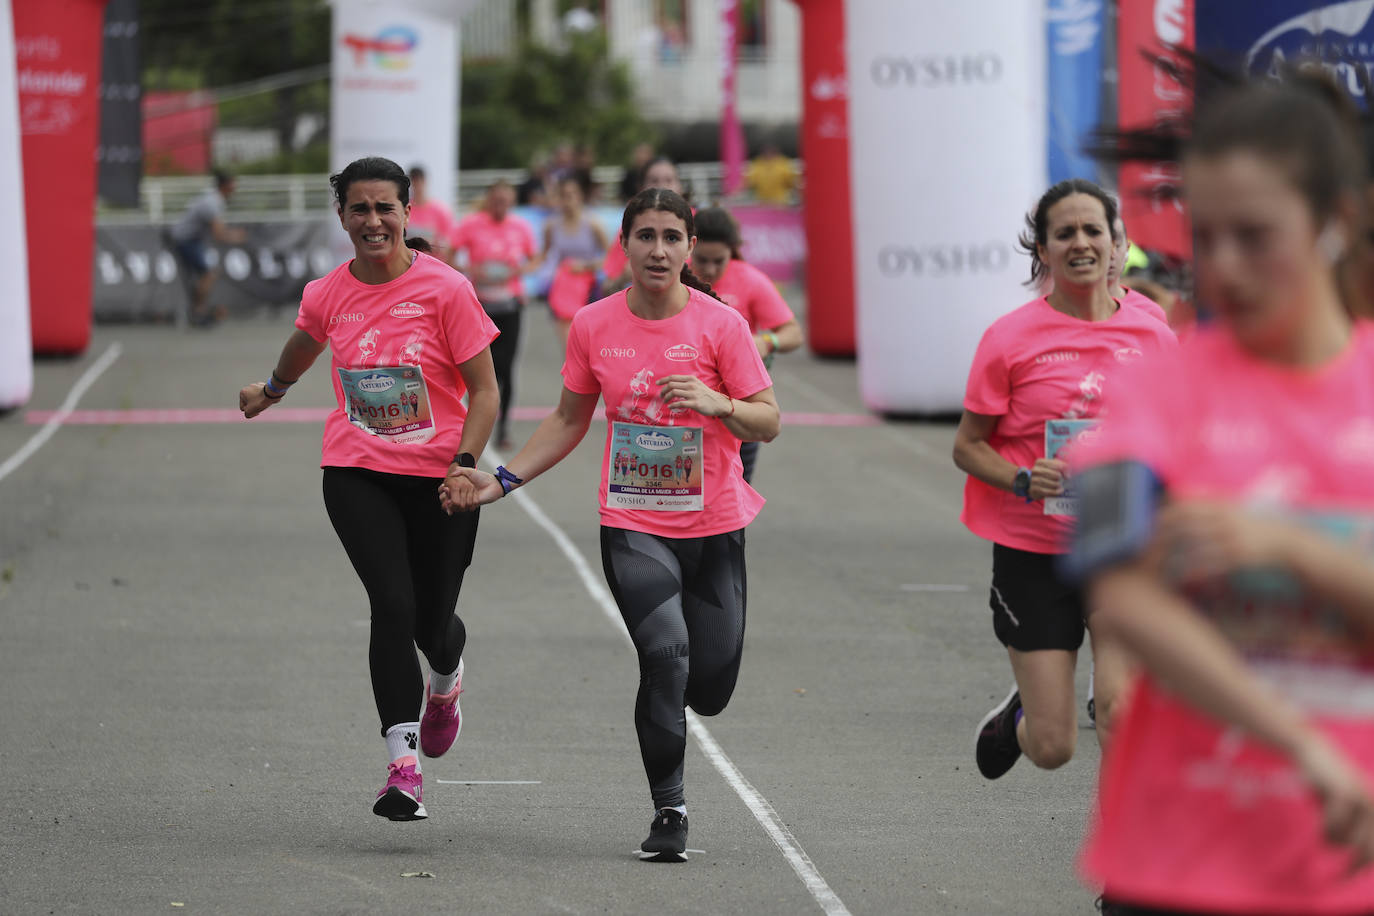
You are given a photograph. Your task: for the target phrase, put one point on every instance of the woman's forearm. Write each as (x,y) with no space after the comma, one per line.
(754,421)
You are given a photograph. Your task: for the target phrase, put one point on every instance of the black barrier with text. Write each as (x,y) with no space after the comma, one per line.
(139,277)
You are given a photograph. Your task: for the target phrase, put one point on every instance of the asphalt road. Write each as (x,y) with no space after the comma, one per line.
(188,724)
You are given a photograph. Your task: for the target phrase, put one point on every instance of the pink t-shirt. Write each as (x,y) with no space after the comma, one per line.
(620,356)
(1154,308)
(431,221)
(1036,364)
(509,243)
(398,345)
(750,292)
(1193,816)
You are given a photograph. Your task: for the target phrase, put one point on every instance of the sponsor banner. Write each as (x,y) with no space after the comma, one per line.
(731,133)
(16,342)
(395,88)
(57,60)
(1273,33)
(828,216)
(774,240)
(136,275)
(1073,29)
(959,89)
(120,153)
(1148,29)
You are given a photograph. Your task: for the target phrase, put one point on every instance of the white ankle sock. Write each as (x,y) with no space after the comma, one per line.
(443,683)
(401,741)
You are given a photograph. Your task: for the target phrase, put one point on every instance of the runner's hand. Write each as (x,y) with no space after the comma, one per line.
(1347,806)
(467,488)
(1047,478)
(253,399)
(1209,539)
(690,392)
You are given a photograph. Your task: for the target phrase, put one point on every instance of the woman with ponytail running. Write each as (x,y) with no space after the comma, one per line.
(681,379)
(1226,534)
(749,291)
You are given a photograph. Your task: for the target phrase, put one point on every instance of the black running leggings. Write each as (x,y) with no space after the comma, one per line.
(683,602)
(411,558)
(503,351)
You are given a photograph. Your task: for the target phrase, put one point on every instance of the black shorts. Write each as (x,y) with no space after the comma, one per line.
(1032,607)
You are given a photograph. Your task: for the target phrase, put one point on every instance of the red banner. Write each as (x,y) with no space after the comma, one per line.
(1148,29)
(57,61)
(732,152)
(825,150)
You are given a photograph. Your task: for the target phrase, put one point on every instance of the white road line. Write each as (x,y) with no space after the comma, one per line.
(86,380)
(759,806)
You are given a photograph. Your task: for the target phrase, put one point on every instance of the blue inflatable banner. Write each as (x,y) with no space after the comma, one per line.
(1073,29)
(1266,35)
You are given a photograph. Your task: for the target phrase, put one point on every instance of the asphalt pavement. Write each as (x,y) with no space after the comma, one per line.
(188,723)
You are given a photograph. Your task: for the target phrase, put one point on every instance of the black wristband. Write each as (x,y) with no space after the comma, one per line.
(280,382)
(465,460)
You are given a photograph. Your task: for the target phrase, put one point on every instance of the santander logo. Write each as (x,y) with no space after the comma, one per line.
(682,353)
(407,310)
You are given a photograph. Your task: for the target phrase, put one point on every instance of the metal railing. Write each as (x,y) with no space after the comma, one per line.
(272,198)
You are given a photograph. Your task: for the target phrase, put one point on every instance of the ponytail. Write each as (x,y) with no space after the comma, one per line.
(692,280)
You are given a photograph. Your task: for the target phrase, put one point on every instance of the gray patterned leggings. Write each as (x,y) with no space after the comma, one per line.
(683,602)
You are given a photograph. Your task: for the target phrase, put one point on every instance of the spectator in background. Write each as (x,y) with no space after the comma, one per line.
(203,222)
(430,219)
(630,183)
(534,190)
(771,176)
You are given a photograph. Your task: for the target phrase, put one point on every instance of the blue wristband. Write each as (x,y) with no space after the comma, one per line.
(507,480)
(272,391)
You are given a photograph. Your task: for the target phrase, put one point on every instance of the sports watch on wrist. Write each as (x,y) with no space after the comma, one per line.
(465,460)
(1021,485)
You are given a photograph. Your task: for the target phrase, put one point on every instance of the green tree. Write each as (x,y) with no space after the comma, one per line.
(513,108)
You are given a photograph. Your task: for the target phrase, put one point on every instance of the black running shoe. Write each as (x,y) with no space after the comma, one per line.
(667,840)
(995,746)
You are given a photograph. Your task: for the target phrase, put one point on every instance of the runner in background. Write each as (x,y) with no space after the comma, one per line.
(1121,249)
(680,378)
(430,219)
(657,172)
(190,237)
(1041,376)
(575,243)
(401,324)
(749,291)
(494,247)
(1240,778)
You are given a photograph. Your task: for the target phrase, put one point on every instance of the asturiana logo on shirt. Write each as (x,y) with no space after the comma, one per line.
(1058,356)
(682,353)
(654,442)
(376,382)
(407,310)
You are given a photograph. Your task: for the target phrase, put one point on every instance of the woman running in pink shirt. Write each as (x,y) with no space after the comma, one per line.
(749,291)
(1227,528)
(408,338)
(673,555)
(1042,375)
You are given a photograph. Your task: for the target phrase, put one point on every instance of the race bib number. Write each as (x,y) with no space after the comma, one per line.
(657,468)
(390,403)
(1060,435)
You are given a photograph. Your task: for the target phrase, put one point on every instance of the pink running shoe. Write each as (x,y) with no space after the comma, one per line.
(443,719)
(402,798)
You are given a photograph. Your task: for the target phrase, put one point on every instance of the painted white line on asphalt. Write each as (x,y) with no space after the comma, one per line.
(917,587)
(86,380)
(759,806)
(489,782)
